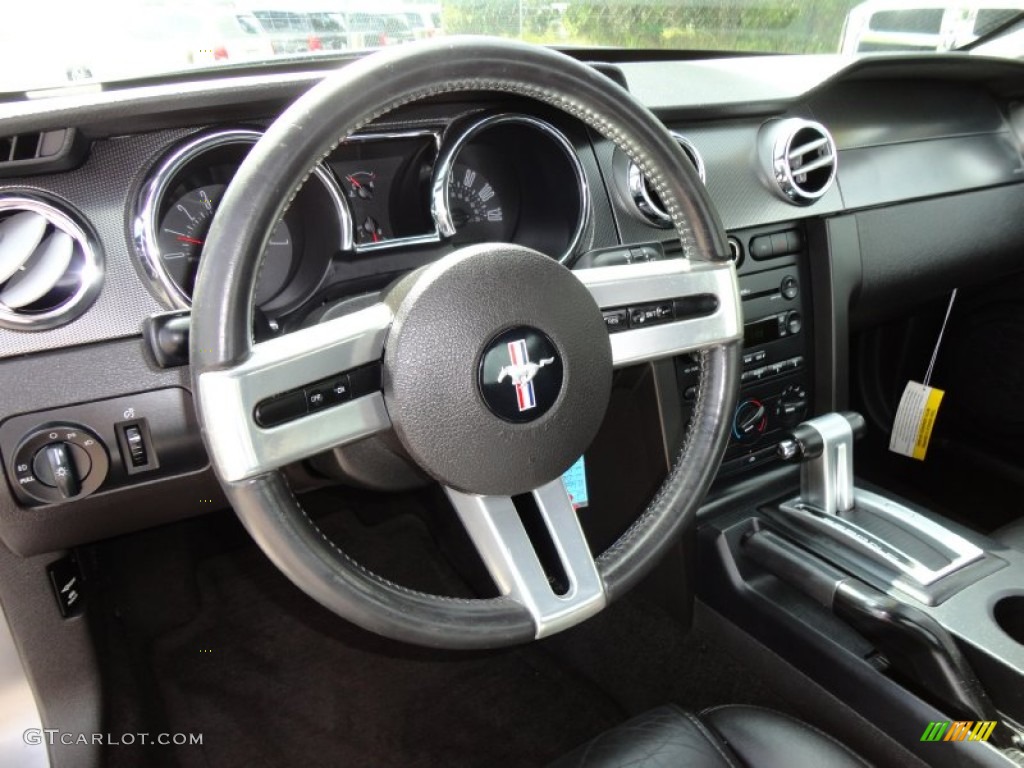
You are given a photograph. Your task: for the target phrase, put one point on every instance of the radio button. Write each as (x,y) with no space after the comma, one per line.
(761,247)
(794,322)
(789,287)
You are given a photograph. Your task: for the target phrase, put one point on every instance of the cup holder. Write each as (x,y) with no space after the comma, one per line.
(1009,615)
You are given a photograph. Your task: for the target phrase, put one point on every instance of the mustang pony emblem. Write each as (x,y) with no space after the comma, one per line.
(522,371)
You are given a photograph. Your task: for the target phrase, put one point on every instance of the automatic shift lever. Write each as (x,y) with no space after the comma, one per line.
(825,446)
(869,531)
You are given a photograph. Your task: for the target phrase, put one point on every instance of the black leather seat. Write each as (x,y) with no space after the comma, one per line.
(723,737)
(1011,535)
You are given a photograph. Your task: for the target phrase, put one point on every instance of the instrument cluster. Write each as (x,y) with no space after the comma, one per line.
(508,178)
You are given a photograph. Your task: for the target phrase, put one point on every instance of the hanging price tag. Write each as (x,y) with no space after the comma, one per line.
(915,419)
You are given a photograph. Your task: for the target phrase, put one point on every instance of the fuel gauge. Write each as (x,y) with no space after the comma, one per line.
(361,184)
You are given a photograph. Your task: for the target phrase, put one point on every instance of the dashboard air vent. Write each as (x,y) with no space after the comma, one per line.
(643,195)
(801,158)
(50,269)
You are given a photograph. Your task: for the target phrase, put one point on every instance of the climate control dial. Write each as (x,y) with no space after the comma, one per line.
(749,421)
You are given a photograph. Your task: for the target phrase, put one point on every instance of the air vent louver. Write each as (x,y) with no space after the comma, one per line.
(646,199)
(49,268)
(801,159)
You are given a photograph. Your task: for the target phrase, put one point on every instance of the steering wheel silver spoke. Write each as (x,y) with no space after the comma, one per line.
(286,372)
(666,308)
(496,529)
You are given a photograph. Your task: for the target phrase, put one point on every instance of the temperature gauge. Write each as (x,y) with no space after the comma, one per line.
(369,231)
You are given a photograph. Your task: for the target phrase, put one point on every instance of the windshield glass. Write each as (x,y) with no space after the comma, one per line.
(49,43)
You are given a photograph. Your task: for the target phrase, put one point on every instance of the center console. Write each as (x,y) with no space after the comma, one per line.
(776,391)
(913,620)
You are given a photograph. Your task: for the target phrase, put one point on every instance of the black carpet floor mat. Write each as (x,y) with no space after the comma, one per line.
(201,634)
(272,679)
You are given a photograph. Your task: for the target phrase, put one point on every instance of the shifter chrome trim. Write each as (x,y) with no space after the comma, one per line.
(957,549)
(19,712)
(826,481)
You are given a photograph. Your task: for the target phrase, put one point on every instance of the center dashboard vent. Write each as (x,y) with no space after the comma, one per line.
(50,268)
(646,200)
(800,158)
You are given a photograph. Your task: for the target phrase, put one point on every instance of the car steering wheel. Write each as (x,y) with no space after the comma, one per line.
(441,337)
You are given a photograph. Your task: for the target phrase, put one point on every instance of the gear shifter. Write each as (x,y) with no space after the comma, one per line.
(825,446)
(874,534)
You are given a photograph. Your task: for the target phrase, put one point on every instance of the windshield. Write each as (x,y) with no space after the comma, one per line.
(49,43)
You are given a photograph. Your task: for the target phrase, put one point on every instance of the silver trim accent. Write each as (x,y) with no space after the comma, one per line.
(428,238)
(650,210)
(446,161)
(632,284)
(776,140)
(957,549)
(499,536)
(151,196)
(826,481)
(241,448)
(20,711)
(90,278)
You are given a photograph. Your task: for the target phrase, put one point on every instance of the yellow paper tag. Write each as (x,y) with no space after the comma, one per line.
(915,419)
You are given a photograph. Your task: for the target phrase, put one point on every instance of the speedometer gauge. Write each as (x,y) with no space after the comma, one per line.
(475,206)
(183,231)
(511,178)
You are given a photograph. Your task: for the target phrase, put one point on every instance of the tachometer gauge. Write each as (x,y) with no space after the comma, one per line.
(183,230)
(178,203)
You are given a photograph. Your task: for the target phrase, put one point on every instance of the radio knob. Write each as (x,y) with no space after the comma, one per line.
(792,405)
(794,322)
(750,421)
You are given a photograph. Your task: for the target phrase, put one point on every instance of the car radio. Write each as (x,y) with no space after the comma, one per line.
(775,390)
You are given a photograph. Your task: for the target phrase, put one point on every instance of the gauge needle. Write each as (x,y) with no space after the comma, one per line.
(189,240)
(355,183)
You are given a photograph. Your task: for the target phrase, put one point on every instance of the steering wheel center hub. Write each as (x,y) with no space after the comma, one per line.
(497,369)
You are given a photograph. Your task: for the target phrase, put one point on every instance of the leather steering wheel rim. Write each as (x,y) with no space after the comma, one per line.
(222,337)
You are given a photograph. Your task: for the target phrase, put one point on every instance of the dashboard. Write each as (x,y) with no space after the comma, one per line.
(843,185)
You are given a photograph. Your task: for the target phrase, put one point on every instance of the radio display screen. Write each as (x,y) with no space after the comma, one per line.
(575,479)
(760,332)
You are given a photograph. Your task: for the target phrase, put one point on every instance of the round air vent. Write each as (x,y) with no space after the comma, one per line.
(801,159)
(50,269)
(646,200)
